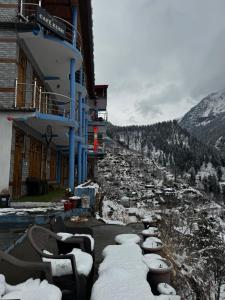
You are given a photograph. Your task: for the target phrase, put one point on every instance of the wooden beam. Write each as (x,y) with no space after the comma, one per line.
(7,90)
(7,40)
(4,60)
(7,5)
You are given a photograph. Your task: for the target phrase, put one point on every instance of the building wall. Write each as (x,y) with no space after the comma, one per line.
(28,134)
(8,66)
(6,137)
(8,10)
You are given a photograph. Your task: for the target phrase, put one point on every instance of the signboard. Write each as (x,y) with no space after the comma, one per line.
(50,23)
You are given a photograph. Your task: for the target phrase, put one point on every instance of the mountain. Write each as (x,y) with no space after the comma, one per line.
(206,120)
(168,144)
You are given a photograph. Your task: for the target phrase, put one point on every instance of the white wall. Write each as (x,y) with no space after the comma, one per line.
(5,150)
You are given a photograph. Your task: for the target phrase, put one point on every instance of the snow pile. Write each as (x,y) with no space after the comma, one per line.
(166,289)
(222,292)
(89,185)
(65,235)
(29,211)
(152,242)
(148,219)
(167,297)
(60,267)
(122,275)
(32,289)
(127,238)
(110,222)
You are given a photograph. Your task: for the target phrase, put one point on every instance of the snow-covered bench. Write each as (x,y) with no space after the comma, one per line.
(123,275)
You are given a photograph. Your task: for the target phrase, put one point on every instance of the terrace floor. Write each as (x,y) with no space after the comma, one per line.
(104,235)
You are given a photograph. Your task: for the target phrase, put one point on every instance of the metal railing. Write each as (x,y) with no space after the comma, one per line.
(33,96)
(27,13)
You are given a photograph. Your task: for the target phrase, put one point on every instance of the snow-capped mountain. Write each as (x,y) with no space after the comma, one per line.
(206,120)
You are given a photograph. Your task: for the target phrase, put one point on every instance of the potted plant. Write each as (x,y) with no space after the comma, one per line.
(4,198)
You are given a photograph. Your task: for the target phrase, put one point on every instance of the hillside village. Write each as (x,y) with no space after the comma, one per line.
(135,187)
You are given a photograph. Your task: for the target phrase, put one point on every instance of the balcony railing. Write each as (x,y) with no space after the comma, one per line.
(28,96)
(28,12)
(80,79)
(98,116)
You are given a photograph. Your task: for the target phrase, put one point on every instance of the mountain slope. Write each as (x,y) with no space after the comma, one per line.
(206,120)
(168,144)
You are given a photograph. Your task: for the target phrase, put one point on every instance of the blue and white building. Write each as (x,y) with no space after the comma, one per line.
(46,83)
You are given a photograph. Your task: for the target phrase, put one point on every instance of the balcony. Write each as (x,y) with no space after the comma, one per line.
(94,151)
(33,13)
(98,118)
(52,42)
(81,83)
(32,96)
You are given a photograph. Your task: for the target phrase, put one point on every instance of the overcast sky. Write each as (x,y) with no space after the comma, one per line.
(159,57)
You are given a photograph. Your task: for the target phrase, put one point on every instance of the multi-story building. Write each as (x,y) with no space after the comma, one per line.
(46,79)
(97,128)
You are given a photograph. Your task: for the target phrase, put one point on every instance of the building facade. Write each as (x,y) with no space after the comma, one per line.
(97,125)
(46,81)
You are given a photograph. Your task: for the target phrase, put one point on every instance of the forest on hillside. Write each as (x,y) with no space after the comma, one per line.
(169,144)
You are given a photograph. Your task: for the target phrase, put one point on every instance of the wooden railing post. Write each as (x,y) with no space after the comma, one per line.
(21,7)
(40,96)
(35,93)
(46,103)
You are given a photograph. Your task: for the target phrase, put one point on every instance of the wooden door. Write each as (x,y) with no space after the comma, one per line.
(53,166)
(65,170)
(18,165)
(35,158)
(21,88)
(44,163)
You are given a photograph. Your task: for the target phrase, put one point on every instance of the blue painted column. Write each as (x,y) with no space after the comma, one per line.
(83,164)
(86,139)
(72,107)
(79,171)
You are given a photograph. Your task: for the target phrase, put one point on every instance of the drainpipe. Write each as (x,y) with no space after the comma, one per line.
(72,109)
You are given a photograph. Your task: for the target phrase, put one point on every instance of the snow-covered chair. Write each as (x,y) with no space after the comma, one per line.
(13,267)
(31,289)
(58,225)
(72,268)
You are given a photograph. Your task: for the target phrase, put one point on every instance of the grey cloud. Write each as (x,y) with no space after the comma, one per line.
(174,46)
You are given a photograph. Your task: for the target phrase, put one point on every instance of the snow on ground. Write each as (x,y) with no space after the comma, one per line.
(136,189)
(27,211)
